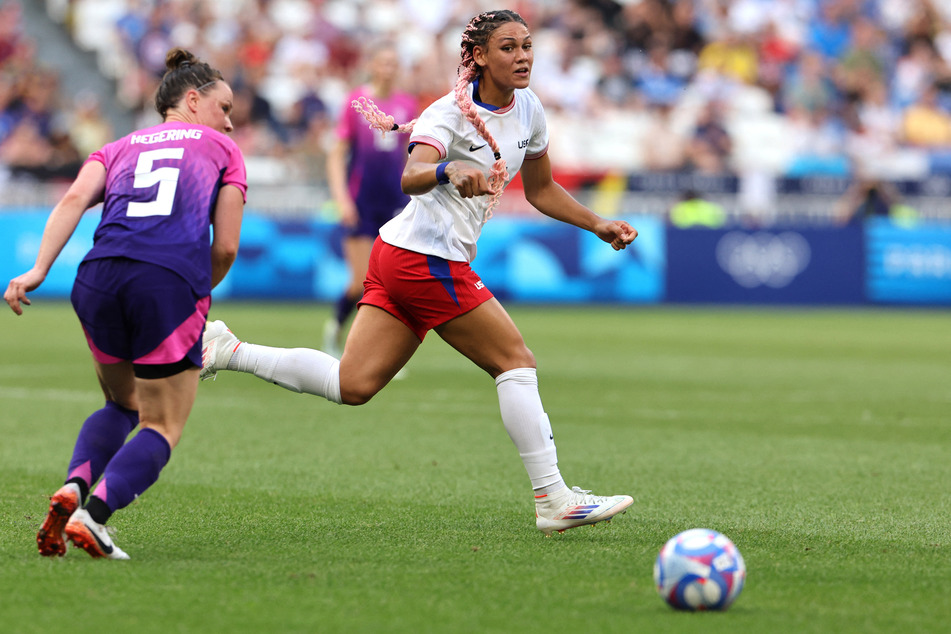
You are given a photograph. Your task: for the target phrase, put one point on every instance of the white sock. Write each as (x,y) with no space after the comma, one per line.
(296,369)
(529,428)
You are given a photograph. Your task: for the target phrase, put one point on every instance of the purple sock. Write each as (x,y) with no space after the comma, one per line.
(101,436)
(134,469)
(345,306)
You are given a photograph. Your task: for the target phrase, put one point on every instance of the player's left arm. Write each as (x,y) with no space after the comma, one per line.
(550,198)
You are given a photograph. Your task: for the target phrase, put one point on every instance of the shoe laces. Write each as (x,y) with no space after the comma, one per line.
(584,496)
(93,525)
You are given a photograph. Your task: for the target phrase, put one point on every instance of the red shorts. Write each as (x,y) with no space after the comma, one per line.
(422,291)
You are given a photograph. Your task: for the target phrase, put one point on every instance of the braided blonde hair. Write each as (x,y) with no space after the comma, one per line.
(476,33)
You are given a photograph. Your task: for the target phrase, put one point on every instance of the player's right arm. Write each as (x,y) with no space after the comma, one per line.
(87,190)
(419,175)
(227,231)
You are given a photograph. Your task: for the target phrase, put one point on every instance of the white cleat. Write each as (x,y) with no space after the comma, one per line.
(217,347)
(574,507)
(92,537)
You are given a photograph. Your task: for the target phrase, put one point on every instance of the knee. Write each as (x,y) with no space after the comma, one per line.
(520,357)
(348,398)
(125,399)
(171,433)
(127,408)
(360,380)
(357,394)
(526,359)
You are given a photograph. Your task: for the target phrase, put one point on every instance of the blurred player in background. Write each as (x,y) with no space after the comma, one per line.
(363,170)
(142,292)
(419,277)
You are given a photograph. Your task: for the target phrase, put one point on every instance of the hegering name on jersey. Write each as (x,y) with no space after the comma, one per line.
(165,135)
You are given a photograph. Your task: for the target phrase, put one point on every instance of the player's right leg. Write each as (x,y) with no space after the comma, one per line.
(218,345)
(93,537)
(301,370)
(377,348)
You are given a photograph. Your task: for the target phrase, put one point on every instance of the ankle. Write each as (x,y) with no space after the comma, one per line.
(552,498)
(98,510)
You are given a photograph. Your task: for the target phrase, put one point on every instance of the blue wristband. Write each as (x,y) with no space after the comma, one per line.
(441,177)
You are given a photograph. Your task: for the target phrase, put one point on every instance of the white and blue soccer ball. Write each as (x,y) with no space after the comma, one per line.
(699,569)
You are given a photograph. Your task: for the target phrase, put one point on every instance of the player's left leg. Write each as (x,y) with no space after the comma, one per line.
(95,300)
(489,337)
(106,430)
(356,251)
(164,406)
(101,436)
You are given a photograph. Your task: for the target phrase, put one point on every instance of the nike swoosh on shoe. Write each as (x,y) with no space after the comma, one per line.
(106,548)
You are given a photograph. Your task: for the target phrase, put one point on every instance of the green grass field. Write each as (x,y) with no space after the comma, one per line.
(819,441)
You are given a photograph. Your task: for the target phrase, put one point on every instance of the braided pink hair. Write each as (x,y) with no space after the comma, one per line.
(476,33)
(379,119)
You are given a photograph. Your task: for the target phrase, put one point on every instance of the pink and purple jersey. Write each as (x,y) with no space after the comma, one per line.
(161,188)
(376,160)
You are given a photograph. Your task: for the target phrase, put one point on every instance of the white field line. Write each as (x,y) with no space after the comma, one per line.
(48,394)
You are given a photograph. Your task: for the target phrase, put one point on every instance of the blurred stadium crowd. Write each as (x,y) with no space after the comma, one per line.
(858,89)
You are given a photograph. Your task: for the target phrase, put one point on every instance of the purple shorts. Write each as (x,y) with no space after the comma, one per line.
(140,312)
(370,221)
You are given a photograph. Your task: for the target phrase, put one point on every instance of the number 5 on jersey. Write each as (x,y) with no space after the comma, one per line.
(146,177)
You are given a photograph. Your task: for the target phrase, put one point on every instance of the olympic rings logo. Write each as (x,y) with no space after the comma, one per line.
(763,259)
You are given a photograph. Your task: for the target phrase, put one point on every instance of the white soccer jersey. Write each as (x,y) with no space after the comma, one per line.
(441,222)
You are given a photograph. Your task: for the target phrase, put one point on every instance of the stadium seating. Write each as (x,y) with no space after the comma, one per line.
(598,69)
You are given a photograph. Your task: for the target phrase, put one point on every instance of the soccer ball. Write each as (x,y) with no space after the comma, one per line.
(699,569)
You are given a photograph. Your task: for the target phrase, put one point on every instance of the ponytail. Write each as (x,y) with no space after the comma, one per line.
(183,72)
(378,119)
